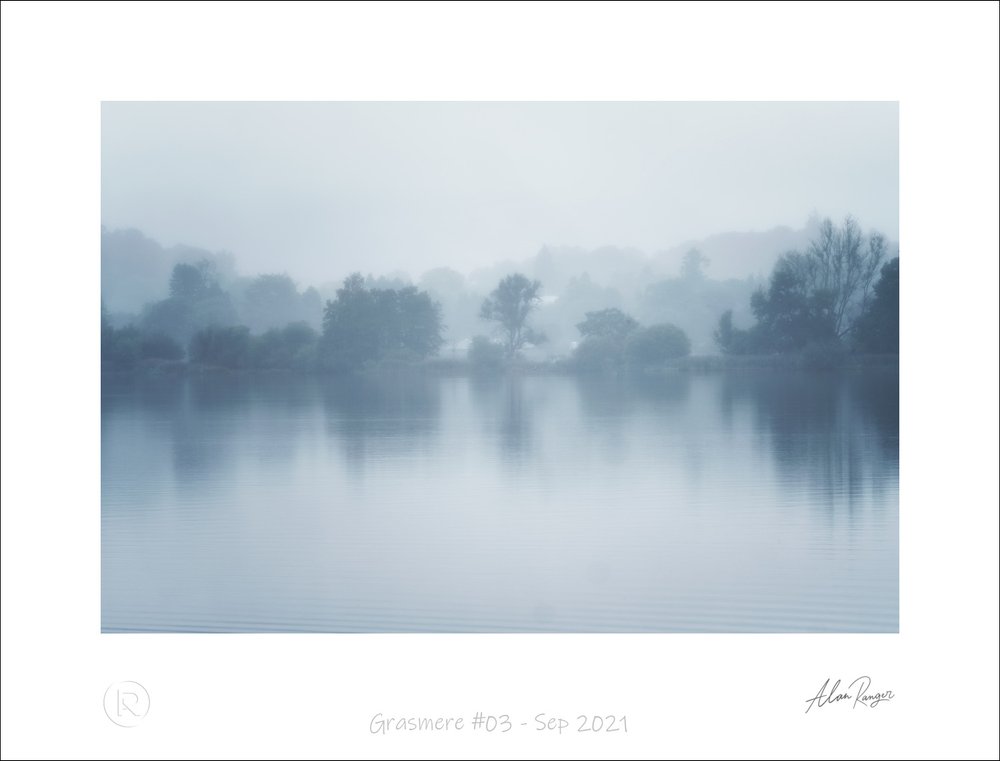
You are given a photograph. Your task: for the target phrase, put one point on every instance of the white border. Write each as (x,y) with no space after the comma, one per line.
(312,696)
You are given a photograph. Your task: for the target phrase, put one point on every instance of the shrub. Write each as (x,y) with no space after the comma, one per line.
(485,354)
(598,353)
(120,347)
(291,347)
(224,347)
(657,344)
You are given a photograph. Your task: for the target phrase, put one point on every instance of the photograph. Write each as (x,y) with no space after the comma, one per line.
(499,367)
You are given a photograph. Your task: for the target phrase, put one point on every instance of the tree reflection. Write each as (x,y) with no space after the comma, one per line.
(507,408)
(838,430)
(382,416)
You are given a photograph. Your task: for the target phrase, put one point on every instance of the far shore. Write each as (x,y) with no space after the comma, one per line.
(461,367)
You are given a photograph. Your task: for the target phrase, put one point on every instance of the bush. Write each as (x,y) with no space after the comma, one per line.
(291,347)
(223,347)
(120,347)
(657,344)
(485,354)
(598,353)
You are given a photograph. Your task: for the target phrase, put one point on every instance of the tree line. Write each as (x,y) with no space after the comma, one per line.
(838,296)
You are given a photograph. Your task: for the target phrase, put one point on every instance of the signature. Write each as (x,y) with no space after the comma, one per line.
(857,693)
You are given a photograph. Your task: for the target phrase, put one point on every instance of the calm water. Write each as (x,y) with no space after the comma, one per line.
(705,503)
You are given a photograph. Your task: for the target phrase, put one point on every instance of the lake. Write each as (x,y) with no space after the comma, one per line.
(762,501)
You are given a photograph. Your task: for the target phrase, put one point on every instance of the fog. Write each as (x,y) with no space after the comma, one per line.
(500,367)
(319,190)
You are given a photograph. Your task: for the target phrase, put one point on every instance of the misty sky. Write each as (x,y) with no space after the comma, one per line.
(321,189)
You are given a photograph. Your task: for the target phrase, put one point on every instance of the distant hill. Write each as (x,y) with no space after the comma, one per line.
(731,255)
(740,254)
(135,270)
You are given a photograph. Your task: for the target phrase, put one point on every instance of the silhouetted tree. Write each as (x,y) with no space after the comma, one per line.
(119,346)
(877,330)
(733,340)
(350,325)
(843,263)
(290,348)
(509,305)
(222,346)
(604,334)
(196,301)
(188,281)
(813,299)
(792,312)
(363,325)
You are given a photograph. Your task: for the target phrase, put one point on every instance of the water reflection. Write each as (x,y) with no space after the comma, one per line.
(374,417)
(674,503)
(838,430)
(507,407)
(616,397)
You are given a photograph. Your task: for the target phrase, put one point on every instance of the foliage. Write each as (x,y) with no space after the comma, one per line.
(222,346)
(485,354)
(657,344)
(818,298)
(695,302)
(842,263)
(273,301)
(509,305)
(730,339)
(877,330)
(196,301)
(604,335)
(792,312)
(290,348)
(611,323)
(120,347)
(599,353)
(189,281)
(363,325)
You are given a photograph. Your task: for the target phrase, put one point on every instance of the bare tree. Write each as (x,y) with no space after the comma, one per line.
(842,262)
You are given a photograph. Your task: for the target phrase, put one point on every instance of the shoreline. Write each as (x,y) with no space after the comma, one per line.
(708,364)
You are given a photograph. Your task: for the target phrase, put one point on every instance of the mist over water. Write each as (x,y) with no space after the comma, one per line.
(755,501)
(500,367)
